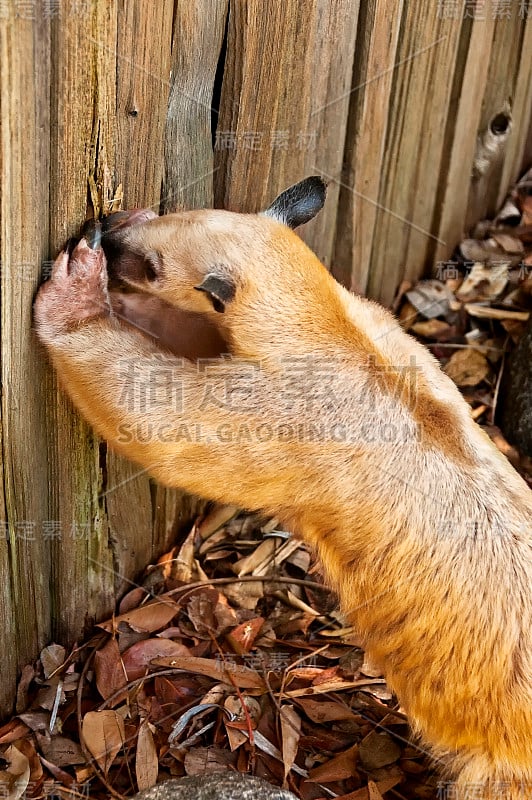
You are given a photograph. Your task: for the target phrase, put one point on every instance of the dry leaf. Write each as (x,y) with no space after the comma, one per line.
(322,711)
(431,328)
(137,659)
(378,750)
(242,638)
(104,735)
(147,619)
(290,734)
(338,768)
(61,751)
(510,244)
(234,674)
(110,675)
(431,298)
(146,760)
(407,316)
(219,516)
(207,759)
(28,673)
(52,658)
(373,791)
(14,779)
(484,282)
(132,599)
(25,746)
(467,367)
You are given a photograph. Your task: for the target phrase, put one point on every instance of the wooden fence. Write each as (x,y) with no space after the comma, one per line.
(416,112)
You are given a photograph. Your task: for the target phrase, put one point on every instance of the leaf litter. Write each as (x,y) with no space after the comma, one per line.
(231,654)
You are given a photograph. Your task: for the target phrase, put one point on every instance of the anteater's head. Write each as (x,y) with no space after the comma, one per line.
(233,268)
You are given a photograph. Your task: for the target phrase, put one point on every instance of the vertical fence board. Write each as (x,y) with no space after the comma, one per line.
(143,85)
(375,58)
(83,559)
(420,98)
(24,549)
(455,180)
(141,91)
(189,164)
(281,117)
(521,115)
(499,93)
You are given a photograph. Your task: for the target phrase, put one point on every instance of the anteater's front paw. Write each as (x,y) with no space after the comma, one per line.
(75,294)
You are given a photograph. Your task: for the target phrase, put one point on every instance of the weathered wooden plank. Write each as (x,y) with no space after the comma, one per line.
(499,96)
(189,164)
(139,113)
(516,156)
(427,54)
(82,565)
(455,177)
(375,58)
(283,117)
(142,91)
(25,553)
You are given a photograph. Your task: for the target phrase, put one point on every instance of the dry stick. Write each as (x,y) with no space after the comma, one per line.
(245,578)
(498,383)
(244,709)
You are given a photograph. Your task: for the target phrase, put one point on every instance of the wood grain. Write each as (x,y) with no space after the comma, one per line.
(375,59)
(25,606)
(189,164)
(283,117)
(420,99)
(454,183)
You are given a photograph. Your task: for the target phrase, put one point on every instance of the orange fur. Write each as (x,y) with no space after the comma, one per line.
(421,524)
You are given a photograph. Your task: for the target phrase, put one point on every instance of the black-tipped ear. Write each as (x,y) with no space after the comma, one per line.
(300,203)
(220,290)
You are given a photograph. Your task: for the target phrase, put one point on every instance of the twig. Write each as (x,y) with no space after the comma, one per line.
(498,383)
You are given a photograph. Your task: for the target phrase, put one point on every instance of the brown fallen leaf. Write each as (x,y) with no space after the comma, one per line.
(363,794)
(27,748)
(52,658)
(109,672)
(484,282)
(104,736)
(336,685)
(200,760)
(467,367)
(28,674)
(219,516)
(138,658)
(510,244)
(242,638)
(338,768)
(238,726)
(132,599)
(377,750)
(373,791)
(321,711)
(430,298)
(487,312)
(147,619)
(146,760)
(14,779)
(234,674)
(13,730)
(60,750)
(431,328)
(290,734)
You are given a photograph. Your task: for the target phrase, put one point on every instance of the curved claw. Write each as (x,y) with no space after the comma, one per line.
(92,232)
